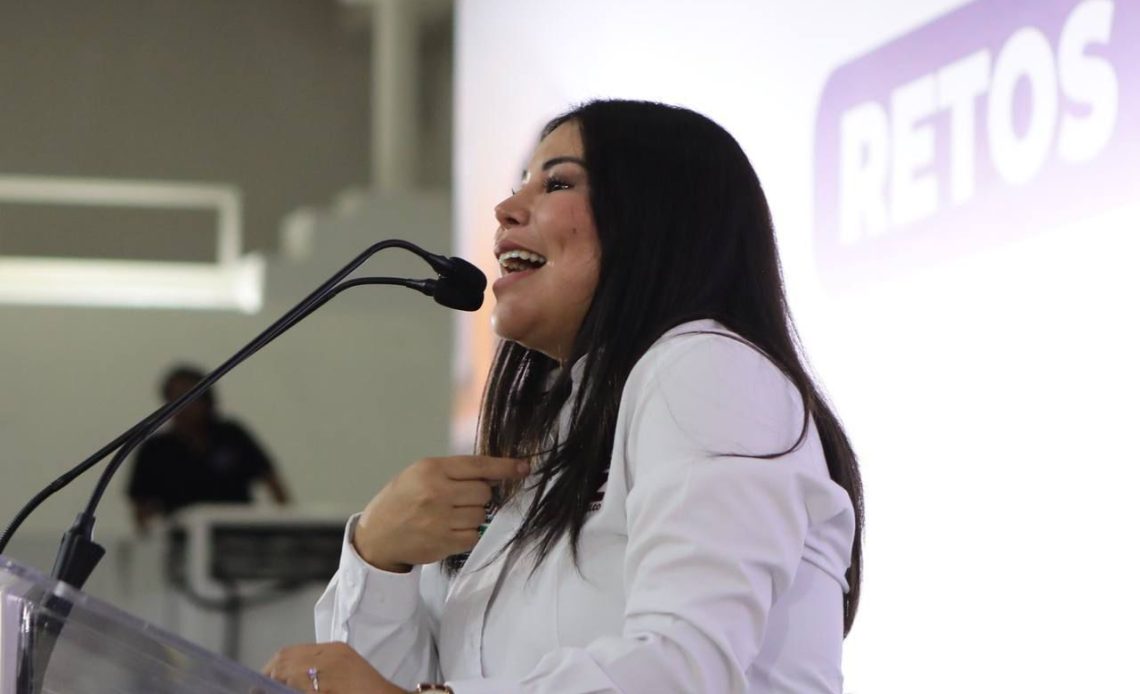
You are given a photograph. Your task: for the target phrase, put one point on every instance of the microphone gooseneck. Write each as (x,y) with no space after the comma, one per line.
(460,285)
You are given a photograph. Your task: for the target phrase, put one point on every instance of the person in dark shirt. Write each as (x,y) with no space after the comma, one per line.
(199,458)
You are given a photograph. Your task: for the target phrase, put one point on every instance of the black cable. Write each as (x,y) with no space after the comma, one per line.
(302,309)
(246,352)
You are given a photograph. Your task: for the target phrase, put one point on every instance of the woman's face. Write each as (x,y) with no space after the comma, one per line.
(548,249)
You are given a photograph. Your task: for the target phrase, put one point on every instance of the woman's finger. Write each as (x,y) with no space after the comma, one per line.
(463,540)
(483,467)
(290,665)
(469,493)
(468,518)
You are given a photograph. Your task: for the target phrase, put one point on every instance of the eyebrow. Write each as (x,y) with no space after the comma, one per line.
(549,163)
(555,161)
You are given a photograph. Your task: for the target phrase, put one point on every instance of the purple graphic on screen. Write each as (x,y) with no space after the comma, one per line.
(993,121)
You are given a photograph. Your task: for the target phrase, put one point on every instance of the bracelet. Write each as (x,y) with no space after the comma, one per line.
(433,687)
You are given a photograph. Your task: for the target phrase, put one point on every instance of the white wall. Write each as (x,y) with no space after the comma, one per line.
(985,370)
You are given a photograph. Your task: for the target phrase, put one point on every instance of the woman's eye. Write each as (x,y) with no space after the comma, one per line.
(554,183)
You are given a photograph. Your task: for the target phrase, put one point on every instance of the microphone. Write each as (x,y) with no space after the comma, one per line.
(446,291)
(454,292)
(458,271)
(460,285)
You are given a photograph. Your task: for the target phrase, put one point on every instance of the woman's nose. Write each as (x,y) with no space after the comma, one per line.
(511,212)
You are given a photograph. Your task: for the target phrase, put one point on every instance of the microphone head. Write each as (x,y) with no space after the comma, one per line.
(464,272)
(458,269)
(457,294)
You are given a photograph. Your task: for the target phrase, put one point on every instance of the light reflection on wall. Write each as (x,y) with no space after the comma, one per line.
(232,281)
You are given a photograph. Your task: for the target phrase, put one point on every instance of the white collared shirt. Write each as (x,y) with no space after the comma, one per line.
(702,570)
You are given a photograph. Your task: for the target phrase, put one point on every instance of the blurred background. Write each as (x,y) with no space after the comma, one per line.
(954,189)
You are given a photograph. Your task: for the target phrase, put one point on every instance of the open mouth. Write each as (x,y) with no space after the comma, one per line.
(520,261)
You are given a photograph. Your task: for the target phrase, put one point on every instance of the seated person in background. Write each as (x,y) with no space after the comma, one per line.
(198,458)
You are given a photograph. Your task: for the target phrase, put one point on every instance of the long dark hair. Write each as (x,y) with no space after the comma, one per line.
(685,233)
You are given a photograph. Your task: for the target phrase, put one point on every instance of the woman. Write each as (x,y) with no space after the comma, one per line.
(680,509)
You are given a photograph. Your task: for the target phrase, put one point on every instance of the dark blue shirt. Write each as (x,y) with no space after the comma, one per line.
(171,472)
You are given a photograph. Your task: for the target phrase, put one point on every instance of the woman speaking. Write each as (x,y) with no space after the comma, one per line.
(662,499)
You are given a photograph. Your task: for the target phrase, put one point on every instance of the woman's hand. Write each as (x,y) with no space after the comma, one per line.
(431,510)
(330,668)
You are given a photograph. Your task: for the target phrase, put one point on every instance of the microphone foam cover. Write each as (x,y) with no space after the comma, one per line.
(457,294)
(465,273)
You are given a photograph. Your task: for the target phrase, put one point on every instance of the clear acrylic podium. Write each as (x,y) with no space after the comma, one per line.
(55,639)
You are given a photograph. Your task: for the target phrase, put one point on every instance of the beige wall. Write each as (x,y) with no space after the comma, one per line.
(344,400)
(272,96)
(269,95)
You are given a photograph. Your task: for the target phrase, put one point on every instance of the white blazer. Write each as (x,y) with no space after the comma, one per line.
(702,570)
